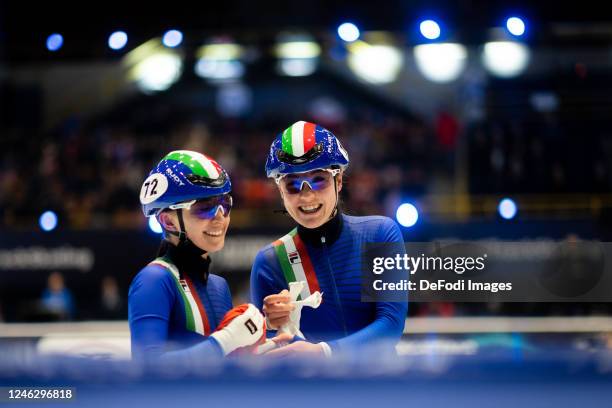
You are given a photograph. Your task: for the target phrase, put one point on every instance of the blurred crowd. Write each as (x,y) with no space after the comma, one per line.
(539,155)
(58,301)
(90,173)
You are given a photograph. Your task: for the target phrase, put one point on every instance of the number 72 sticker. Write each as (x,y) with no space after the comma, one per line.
(153,187)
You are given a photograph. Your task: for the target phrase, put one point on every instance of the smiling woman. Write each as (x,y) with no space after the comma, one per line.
(174,303)
(308,197)
(308,162)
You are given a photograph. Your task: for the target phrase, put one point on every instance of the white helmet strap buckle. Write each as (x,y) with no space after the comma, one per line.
(182,206)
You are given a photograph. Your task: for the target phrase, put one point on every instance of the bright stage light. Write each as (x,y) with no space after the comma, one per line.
(348,32)
(117,40)
(505,59)
(430,29)
(407,215)
(443,62)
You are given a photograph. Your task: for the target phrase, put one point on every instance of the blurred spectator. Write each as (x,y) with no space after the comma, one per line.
(57,299)
(112,305)
(447,133)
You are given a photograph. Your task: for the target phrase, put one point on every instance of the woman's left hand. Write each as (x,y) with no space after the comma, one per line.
(283,339)
(298,348)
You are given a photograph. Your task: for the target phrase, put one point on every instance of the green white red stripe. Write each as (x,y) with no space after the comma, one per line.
(197,162)
(296,263)
(195,314)
(299,138)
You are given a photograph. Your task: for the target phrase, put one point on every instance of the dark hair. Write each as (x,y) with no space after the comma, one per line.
(341,207)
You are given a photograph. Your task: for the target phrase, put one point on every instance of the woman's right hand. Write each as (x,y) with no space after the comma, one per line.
(277,309)
(245,329)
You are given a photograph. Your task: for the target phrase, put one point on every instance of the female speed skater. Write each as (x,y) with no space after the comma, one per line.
(307,163)
(175,304)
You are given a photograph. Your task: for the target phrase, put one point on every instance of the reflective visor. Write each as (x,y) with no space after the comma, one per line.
(207,209)
(317,180)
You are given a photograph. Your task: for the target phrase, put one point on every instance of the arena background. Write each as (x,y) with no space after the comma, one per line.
(482,132)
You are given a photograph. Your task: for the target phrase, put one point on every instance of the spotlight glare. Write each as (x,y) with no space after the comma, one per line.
(515,26)
(220,62)
(117,40)
(348,32)
(158,72)
(407,215)
(430,29)
(505,59)
(48,221)
(172,38)
(507,208)
(441,62)
(154,225)
(297,67)
(297,49)
(219,70)
(55,42)
(376,64)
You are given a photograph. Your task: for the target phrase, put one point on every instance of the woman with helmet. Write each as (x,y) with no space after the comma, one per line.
(307,163)
(174,303)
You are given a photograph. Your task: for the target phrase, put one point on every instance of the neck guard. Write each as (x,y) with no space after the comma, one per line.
(330,231)
(187,258)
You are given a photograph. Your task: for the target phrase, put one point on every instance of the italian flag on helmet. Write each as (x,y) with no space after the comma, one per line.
(304,147)
(197,162)
(299,138)
(182,176)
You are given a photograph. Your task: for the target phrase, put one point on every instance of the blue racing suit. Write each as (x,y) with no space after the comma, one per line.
(331,259)
(175,304)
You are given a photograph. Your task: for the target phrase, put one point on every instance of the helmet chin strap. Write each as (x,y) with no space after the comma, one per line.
(182,233)
(335,210)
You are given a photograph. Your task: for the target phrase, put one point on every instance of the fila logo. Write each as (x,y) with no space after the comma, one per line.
(250,326)
(184,286)
(294,258)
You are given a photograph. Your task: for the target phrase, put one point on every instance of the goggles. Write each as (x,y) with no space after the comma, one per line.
(207,209)
(317,180)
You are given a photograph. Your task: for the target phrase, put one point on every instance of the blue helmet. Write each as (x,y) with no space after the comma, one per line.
(182,176)
(304,147)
